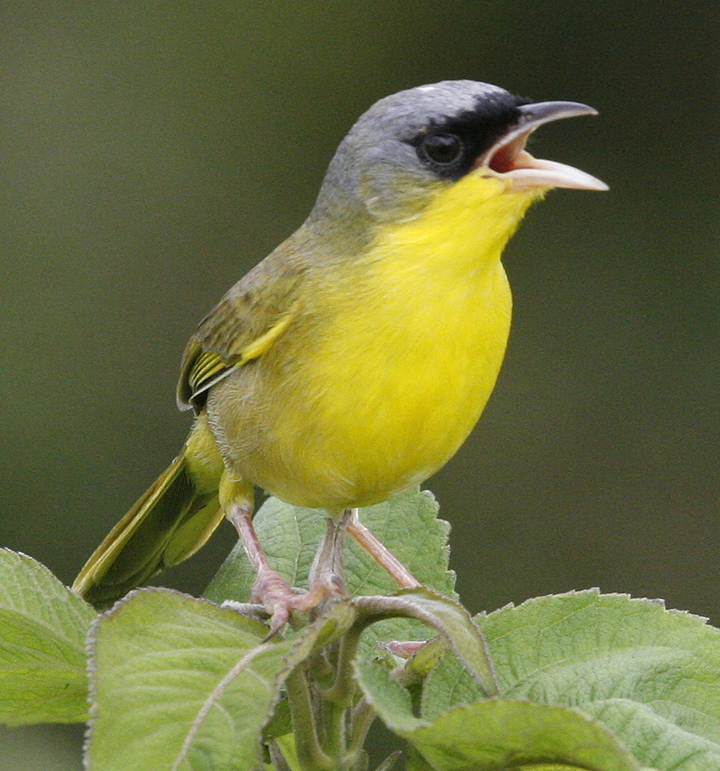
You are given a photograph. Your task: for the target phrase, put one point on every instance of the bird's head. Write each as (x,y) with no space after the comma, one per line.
(412,145)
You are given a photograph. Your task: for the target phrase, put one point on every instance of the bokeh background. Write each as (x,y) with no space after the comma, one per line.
(151,152)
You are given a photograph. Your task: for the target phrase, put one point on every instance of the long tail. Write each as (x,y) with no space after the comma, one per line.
(168,524)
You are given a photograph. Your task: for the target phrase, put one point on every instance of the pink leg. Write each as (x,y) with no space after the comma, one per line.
(328,568)
(272,590)
(367,541)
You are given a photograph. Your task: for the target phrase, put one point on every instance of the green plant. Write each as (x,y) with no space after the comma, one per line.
(581,680)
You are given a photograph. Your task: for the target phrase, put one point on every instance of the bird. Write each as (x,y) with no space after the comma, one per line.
(353,361)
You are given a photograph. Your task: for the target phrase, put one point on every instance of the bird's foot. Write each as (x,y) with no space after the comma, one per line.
(279,598)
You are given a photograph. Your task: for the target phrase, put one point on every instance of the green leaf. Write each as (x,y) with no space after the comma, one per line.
(182,684)
(416,762)
(649,674)
(286,745)
(408,525)
(494,734)
(504,734)
(447,685)
(43,626)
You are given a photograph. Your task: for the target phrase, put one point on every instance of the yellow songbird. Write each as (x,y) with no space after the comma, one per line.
(355,359)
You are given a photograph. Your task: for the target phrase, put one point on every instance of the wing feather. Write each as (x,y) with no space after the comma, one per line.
(241,327)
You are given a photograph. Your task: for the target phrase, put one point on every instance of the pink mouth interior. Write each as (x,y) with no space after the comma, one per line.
(506,158)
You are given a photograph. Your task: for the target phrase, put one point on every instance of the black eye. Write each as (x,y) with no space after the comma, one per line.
(442,149)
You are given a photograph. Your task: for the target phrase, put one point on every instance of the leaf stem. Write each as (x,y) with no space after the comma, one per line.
(363,716)
(338,698)
(343,689)
(310,755)
(335,730)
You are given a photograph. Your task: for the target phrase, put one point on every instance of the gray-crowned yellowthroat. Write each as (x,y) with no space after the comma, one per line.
(354,360)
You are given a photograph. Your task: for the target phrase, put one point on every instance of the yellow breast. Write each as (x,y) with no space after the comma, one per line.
(389,387)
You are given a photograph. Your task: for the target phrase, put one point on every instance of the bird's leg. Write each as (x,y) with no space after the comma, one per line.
(327,574)
(271,589)
(387,560)
(367,541)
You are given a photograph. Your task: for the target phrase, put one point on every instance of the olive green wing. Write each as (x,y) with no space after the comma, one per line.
(241,327)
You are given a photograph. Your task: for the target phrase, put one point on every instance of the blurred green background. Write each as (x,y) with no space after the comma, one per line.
(150,153)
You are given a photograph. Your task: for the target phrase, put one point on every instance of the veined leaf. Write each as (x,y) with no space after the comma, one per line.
(43,626)
(180,684)
(650,675)
(494,734)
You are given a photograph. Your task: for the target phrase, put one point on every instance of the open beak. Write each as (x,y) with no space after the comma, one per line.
(509,160)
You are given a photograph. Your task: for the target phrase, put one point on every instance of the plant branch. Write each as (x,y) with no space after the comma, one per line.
(310,755)
(363,716)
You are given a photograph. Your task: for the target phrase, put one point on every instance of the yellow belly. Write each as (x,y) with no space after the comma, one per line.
(391,412)
(376,402)
(379,394)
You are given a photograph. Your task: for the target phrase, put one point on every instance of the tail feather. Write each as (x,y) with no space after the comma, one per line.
(168,524)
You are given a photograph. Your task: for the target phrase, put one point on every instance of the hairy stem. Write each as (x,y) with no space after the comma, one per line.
(310,755)
(363,716)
